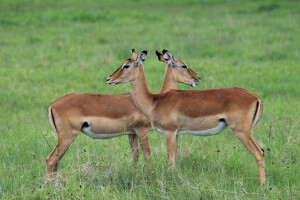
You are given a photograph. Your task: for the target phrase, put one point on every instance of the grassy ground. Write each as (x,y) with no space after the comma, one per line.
(52,48)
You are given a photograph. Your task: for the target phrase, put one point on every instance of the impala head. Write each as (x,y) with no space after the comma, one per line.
(128,71)
(180,71)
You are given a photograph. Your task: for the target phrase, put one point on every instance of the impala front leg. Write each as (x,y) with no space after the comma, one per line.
(171,147)
(133,141)
(142,134)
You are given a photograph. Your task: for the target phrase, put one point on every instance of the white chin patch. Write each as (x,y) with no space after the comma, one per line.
(111,83)
(194,84)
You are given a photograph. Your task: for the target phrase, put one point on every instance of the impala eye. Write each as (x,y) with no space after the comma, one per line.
(184,66)
(126,66)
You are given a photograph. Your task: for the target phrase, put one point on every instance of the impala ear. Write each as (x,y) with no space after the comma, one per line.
(160,57)
(141,57)
(133,54)
(168,57)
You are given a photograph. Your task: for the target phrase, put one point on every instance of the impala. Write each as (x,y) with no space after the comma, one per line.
(196,112)
(106,116)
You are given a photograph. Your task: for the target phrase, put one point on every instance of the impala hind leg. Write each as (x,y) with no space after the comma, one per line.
(247,139)
(142,134)
(171,147)
(64,140)
(133,141)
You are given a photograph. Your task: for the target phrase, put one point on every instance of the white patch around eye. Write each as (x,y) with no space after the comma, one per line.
(184,66)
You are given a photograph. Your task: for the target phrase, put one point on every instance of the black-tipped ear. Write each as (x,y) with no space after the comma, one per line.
(165,51)
(168,57)
(141,57)
(160,57)
(158,54)
(133,55)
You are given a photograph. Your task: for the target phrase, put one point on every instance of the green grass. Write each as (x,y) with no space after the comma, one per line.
(52,48)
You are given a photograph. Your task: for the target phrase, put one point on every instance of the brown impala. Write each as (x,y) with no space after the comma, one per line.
(198,112)
(106,116)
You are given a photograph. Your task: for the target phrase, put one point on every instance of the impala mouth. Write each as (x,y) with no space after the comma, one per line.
(111,83)
(194,84)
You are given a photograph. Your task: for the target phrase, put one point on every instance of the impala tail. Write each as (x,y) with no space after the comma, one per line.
(51,117)
(256,117)
(257,113)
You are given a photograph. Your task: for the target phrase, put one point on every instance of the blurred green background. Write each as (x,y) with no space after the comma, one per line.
(52,48)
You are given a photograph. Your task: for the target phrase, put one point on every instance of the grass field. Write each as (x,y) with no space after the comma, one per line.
(52,48)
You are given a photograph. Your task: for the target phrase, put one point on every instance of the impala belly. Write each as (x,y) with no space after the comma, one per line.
(88,132)
(204,126)
(105,128)
(221,126)
(159,130)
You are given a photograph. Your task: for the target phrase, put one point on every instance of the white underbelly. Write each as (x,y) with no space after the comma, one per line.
(160,131)
(221,126)
(87,131)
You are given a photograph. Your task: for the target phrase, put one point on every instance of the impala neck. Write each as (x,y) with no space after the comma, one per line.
(169,82)
(141,95)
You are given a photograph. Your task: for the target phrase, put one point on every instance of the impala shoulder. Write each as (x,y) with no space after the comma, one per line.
(140,120)
(174,94)
(174,91)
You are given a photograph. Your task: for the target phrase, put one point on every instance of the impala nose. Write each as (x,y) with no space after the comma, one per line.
(107,79)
